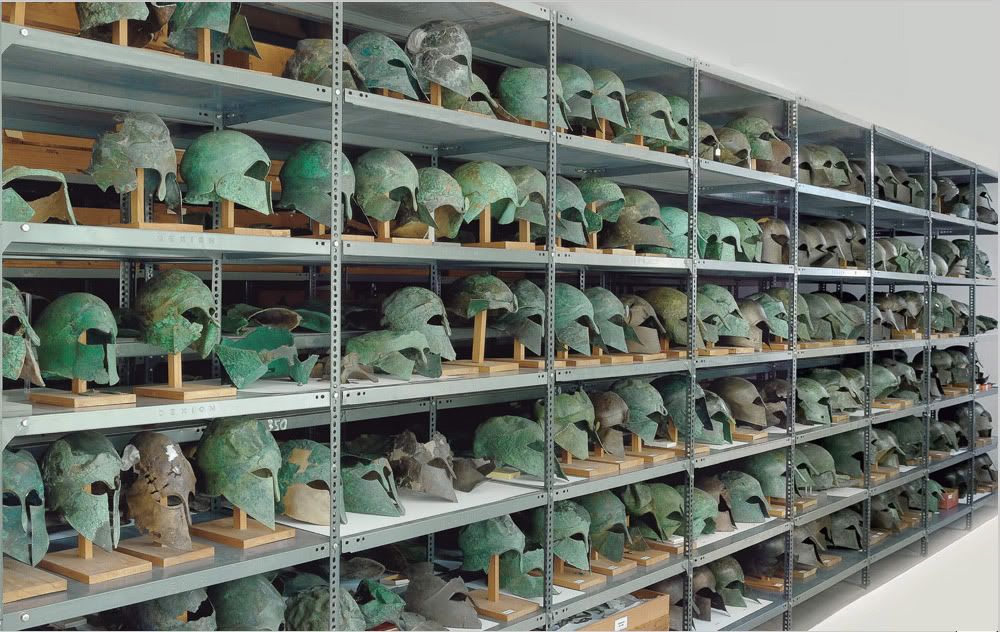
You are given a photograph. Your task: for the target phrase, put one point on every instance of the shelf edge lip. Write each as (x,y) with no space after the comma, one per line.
(621,38)
(902,208)
(763,177)
(849,197)
(666,160)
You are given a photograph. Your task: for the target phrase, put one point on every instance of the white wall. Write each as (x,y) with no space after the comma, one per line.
(870,59)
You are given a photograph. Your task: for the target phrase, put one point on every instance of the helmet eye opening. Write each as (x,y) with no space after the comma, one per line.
(10,499)
(262,473)
(319,485)
(12,325)
(33,499)
(204,610)
(97,337)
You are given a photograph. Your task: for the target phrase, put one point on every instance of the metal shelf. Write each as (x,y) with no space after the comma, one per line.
(894,543)
(947,280)
(227,564)
(952,224)
(447,255)
(636,263)
(720,178)
(985,449)
(824,352)
(889,415)
(742,359)
(816,200)
(889,345)
(776,608)
(940,520)
(881,276)
(845,275)
(397,391)
(772,442)
(827,430)
(955,459)
(901,217)
(614,371)
(946,402)
(743,269)
(827,505)
(951,342)
(851,562)
(582,487)
(619,586)
(897,481)
(627,164)
(739,540)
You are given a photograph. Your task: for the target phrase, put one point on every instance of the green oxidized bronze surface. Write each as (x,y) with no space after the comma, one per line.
(524,93)
(574,319)
(480,541)
(729,581)
(520,573)
(369,487)
(570,532)
(413,309)
(378,603)
(166,613)
(239,459)
(384,65)
(140,140)
(249,603)
(61,354)
(478,292)
(525,324)
(514,442)
(20,344)
(306,183)
(609,100)
(641,225)
(442,54)
(573,419)
(24,535)
(163,307)
(93,14)
(746,497)
(609,316)
(680,112)
(646,410)
(227,165)
(479,101)
(229,30)
(440,202)
(650,117)
(55,205)
(385,179)
(656,509)
(578,86)
(304,463)
(848,452)
(608,524)
(531,193)
(488,185)
(825,476)
(397,353)
(813,401)
(73,462)
(310,610)
(759,134)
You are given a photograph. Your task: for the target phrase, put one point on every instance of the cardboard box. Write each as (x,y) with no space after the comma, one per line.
(949,499)
(652,614)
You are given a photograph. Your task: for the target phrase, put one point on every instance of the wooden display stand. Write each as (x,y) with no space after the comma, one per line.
(700,449)
(938,455)
(712,350)
(776,506)
(844,342)
(137,209)
(485,220)
(576,360)
(649,557)
(624,463)
(840,418)
(520,356)
(575,578)
(778,344)
(746,434)
(602,131)
(88,565)
(611,569)
(586,468)
(906,334)
(674,547)
(79,396)
(650,454)
(227,224)
(768,584)
(177,390)
(954,391)
(611,358)
(241,531)
(21,581)
(383,235)
(891,403)
(146,548)
(478,362)
(492,605)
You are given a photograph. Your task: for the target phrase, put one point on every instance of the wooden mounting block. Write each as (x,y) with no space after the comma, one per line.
(241,531)
(164,556)
(177,390)
(21,581)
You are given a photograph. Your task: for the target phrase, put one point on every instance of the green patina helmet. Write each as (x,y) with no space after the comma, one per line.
(605,201)
(525,324)
(909,435)
(304,481)
(227,165)
(306,184)
(775,314)
(844,530)
(24,535)
(532,191)
(884,382)
(440,204)
(642,225)
(824,166)
(70,464)
(418,309)
(825,475)
(570,532)
(887,448)
(487,184)
(378,603)
(843,396)
(611,412)
(712,424)
(650,116)
(718,238)
(442,54)
(384,65)
(266,352)
(719,313)
(704,511)
(574,319)
(744,497)
(578,87)
(942,437)
(759,134)
(848,451)
(751,239)
(646,410)
(520,573)
(312,62)
(708,142)
(310,610)
(608,524)
(680,112)
(479,292)
(176,310)
(514,442)
(480,541)
(59,327)
(20,343)
(812,402)
(671,306)
(985,212)
(729,581)
(385,180)
(140,141)
(609,316)
(885,511)
(53,206)
(93,16)
(369,487)
(189,610)
(911,496)
(769,470)
(609,100)
(982,262)
(524,93)
(743,399)
(228,29)
(248,603)
(721,419)
(573,418)
(397,353)
(479,101)
(734,148)
(573,219)
(644,324)
(656,510)
(239,460)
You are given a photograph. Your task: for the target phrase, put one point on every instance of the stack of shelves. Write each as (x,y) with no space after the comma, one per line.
(60,84)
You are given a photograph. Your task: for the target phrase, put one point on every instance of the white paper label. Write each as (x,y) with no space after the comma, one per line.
(621,623)
(644,557)
(577,581)
(507,612)
(612,567)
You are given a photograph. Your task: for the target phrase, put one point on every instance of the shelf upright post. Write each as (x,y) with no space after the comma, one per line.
(870,245)
(971,272)
(3,249)
(550,309)
(432,405)
(692,324)
(925,382)
(792,133)
(336,258)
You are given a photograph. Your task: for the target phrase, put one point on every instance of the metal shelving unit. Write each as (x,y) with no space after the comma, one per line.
(58,84)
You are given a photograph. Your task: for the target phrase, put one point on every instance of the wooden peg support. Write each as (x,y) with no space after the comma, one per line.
(79,396)
(227,224)
(608,567)
(137,208)
(146,548)
(577,579)
(648,454)
(492,604)
(434,96)
(486,234)
(239,531)
(119,32)
(383,234)
(176,389)
(17,16)
(478,359)
(205,45)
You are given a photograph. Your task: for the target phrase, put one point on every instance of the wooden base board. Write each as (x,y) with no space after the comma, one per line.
(906,334)
(738,350)
(844,342)
(579,360)
(585,250)
(102,567)
(651,254)
(186,392)
(829,561)
(840,419)
(777,505)
(577,579)
(88,399)
(623,463)
(649,557)
(504,474)
(488,367)
(354,237)
(21,581)
(416,241)
(612,569)
(888,471)
(676,548)
(624,252)
(749,436)
(506,608)
(816,344)
(181,228)
(252,232)
(535,363)
(451,369)
(714,351)
(617,358)
(652,455)
(588,469)
(255,534)
(800,574)
(986,488)
(891,403)
(876,536)
(649,357)
(877,477)
(938,455)
(769,584)
(777,346)
(954,391)
(503,245)
(163,556)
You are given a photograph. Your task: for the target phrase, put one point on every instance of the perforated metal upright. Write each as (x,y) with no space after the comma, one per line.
(972,274)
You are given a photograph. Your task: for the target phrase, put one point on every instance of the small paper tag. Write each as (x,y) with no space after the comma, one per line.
(612,567)
(508,611)
(577,581)
(621,623)
(644,557)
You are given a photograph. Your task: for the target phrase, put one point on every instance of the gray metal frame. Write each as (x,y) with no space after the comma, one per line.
(277,106)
